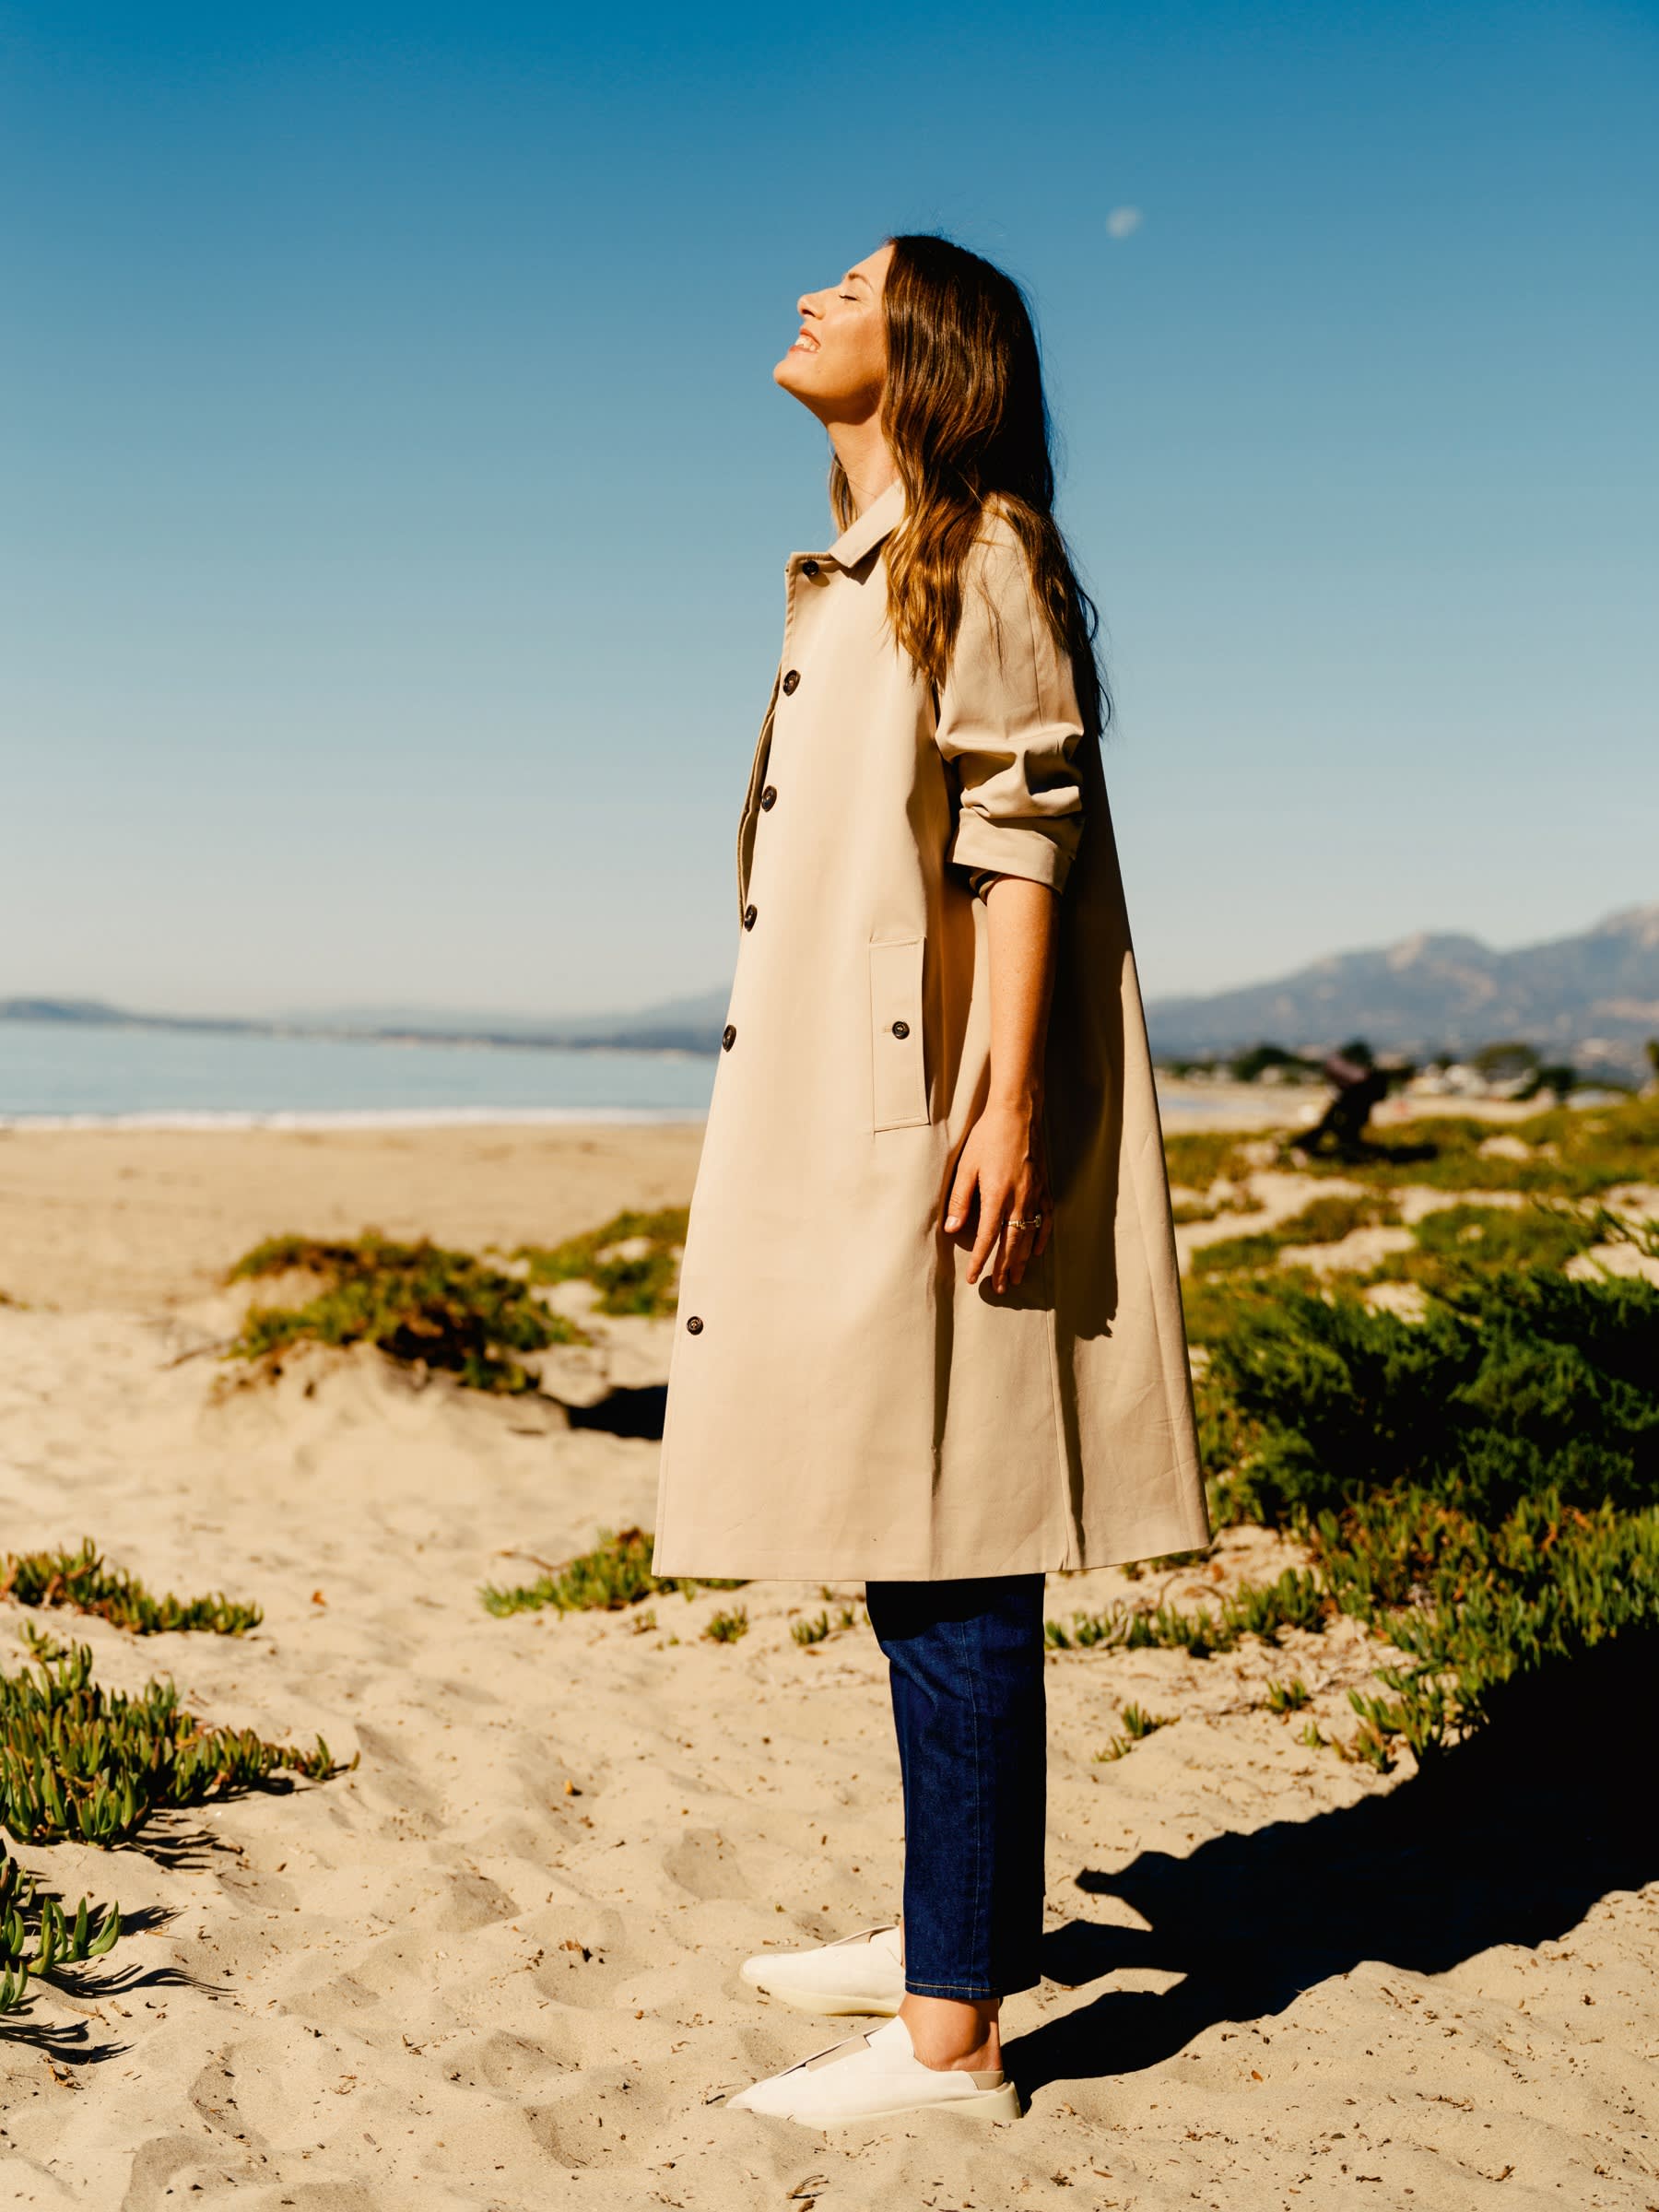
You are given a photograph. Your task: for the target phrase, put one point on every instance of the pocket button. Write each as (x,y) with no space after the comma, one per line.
(901,1028)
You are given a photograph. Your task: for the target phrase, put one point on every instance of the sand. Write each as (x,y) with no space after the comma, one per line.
(495,1966)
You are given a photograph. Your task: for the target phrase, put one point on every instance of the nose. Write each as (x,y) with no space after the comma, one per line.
(807,304)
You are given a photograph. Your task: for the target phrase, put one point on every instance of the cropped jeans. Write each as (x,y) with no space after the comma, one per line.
(968,1704)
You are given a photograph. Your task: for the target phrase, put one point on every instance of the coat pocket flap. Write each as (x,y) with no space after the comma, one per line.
(898,1069)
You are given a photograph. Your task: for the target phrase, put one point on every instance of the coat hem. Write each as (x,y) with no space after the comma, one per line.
(831,1567)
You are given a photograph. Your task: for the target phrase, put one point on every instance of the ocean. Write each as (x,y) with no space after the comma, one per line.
(83,1075)
(70,1075)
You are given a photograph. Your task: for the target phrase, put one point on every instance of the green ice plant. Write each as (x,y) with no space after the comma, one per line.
(1479,1487)
(91,1764)
(38,1936)
(1295,1601)
(642,1280)
(1325,1220)
(614,1573)
(417,1303)
(82,1581)
(1283,1698)
(1572,1152)
(1138,1724)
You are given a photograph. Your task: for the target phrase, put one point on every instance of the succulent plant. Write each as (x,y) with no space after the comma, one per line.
(81,1761)
(37,1937)
(81,1580)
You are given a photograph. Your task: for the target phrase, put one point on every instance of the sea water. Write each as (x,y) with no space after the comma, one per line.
(71,1075)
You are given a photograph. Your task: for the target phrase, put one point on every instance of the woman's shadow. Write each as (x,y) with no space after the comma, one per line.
(1508,1837)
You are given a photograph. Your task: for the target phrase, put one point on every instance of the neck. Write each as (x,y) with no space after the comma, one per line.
(867,458)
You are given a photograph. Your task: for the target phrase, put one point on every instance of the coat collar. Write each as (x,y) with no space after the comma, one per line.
(867,530)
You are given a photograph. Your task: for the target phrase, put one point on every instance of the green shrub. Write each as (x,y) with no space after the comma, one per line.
(1285,1698)
(643,1283)
(1264,1610)
(1215,1305)
(37,1937)
(1196,1157)
(1544,1588)
(727,1628)
(78,1760)
(418,1302)
(616,1572)
(1527,1383)
(81,1580)
(1138,1724)
(1479,1488)
(1456,1241)
(1575,1152)
(1323,1221)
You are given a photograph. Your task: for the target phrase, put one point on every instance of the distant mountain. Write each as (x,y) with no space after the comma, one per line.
(676,1024)
(59,1010)
(687,1025)
(1588,998)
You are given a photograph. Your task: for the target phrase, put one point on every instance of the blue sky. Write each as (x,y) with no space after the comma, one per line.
(394,495)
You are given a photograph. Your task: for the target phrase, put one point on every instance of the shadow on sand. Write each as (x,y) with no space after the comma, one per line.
(1509,1838)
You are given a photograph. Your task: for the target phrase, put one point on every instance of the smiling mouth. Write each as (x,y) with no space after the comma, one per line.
(806,343)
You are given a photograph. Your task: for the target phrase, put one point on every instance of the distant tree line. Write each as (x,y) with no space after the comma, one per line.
(1509,1063)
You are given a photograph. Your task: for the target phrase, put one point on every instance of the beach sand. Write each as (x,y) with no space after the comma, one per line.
(495,1966)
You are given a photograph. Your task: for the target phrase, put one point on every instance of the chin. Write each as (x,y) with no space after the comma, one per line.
(787,372)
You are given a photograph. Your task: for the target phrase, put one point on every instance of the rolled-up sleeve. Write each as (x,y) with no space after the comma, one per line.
(1009,726)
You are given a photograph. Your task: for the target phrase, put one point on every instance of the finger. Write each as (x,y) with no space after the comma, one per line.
(1044,1206)
(1008,1243)
(992,1209)
(1020,1257)
(1017,1250)
(1014,1245)
(959,1205)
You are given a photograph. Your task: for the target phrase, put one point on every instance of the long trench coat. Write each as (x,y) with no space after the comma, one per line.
(841,1403)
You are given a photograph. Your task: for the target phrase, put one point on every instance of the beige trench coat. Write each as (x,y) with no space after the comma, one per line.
(840,1403)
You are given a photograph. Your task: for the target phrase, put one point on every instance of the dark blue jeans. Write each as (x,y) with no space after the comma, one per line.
(966,1659)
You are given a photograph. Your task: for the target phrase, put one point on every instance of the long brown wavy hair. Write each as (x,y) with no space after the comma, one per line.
(965,415)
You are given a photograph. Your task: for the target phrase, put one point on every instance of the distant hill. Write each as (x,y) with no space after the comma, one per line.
(688,1025)
(1588,998)
(676,1024)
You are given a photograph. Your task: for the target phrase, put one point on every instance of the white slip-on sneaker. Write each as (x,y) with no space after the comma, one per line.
(857,1974)
(876,2077)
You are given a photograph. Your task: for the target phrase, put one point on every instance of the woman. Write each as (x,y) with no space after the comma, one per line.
(931,1331)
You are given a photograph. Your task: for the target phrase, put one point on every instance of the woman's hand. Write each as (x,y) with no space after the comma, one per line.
(1003,1167)
(1003,1163)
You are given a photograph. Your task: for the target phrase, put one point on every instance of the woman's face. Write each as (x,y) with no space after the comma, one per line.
(838,365)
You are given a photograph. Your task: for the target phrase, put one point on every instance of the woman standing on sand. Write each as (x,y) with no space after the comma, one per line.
(931,1331)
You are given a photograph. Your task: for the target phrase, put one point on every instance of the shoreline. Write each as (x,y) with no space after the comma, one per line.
(211,1121)
(1211,1105)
